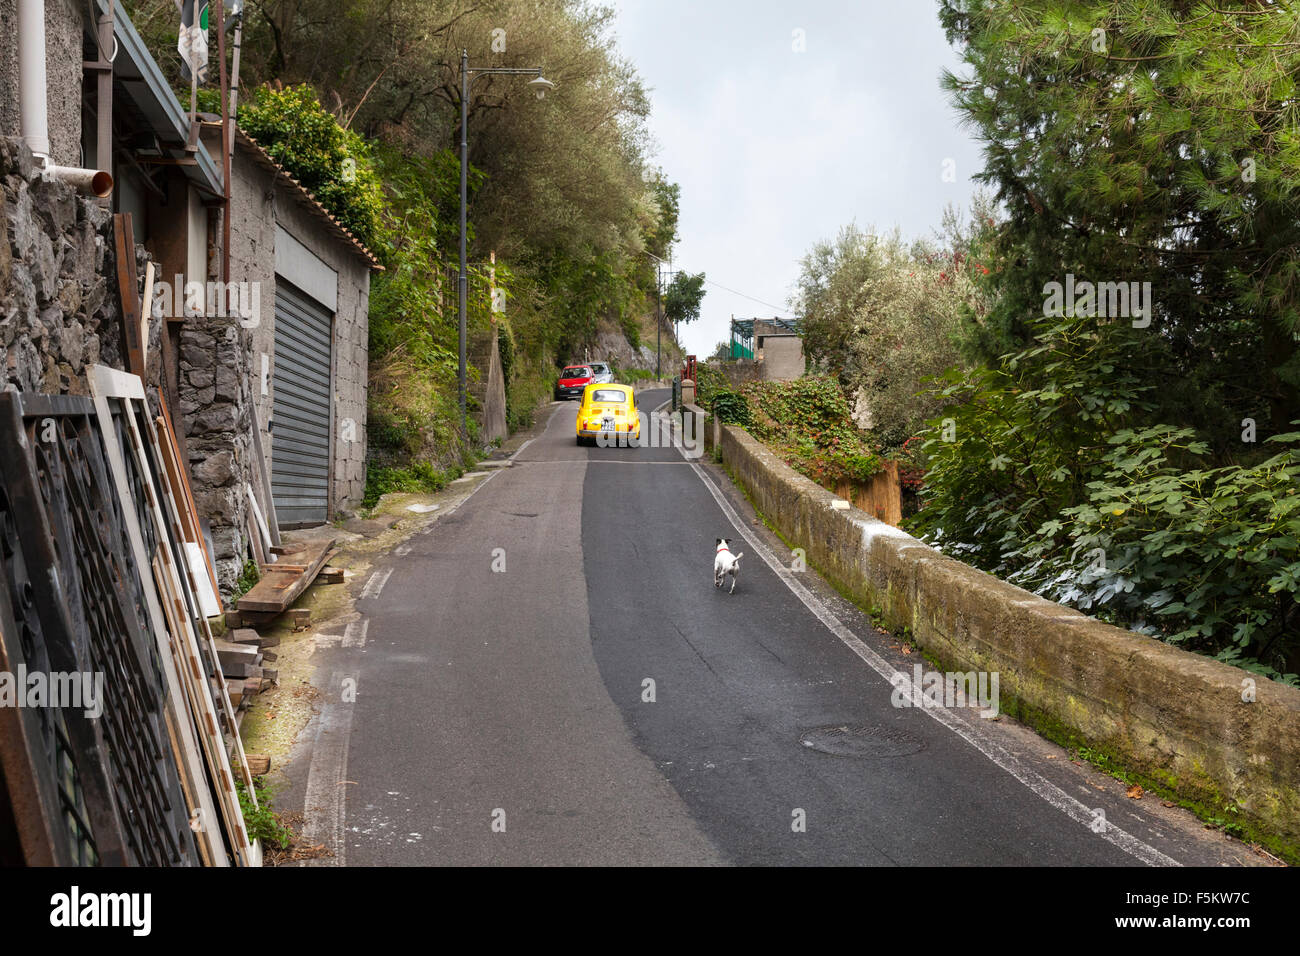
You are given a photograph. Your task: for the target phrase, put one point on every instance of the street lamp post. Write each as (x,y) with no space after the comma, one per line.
(540,85)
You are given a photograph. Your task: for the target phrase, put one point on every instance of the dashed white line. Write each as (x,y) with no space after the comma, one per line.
(354,635)
(376,583)
(325,802)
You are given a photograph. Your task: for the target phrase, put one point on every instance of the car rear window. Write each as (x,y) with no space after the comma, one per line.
(577,371)
(609,395)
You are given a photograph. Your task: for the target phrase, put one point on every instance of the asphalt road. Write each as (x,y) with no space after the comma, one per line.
(502,714)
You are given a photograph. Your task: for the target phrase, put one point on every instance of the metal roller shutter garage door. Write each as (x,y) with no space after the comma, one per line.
(300,436)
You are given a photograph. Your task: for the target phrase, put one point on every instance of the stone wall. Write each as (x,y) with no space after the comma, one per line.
(739,371)
(215,383)
(59,315)
(1187,726)
(58,289)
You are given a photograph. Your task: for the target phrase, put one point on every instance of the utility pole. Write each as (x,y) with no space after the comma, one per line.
(659,313)
(659,309)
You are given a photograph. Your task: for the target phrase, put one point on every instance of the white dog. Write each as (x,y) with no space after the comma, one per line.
(726,563)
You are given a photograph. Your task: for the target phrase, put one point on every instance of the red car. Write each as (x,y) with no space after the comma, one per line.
(573,380)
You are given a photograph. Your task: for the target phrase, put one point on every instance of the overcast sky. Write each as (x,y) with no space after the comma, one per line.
(775,149)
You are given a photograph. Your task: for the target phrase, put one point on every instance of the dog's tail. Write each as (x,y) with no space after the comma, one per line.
(739,556)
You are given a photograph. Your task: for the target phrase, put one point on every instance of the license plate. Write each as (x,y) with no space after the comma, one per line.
(607,425)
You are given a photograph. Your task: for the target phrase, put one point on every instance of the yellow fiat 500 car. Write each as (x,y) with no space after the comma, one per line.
(609,410)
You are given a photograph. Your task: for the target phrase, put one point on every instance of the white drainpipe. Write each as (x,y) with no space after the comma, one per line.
(32,103)
(31,77)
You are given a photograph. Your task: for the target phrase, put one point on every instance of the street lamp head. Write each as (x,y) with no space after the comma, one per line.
(540,85)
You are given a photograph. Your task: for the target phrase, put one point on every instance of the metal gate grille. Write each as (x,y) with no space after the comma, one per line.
(75,604)
(300,434)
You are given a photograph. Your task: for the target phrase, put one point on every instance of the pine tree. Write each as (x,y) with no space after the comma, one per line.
(1148,140)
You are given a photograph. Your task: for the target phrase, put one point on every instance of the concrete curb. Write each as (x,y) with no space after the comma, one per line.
(1175,720)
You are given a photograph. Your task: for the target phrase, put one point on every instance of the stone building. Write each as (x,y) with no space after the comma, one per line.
(294,369)
(308,340)
(778,346)
(774,346)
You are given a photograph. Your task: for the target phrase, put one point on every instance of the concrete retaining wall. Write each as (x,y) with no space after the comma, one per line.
(1178,721)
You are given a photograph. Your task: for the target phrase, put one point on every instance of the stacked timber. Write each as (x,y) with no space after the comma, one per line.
(245,657)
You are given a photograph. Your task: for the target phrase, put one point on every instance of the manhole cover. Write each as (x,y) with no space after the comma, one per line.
(846,741)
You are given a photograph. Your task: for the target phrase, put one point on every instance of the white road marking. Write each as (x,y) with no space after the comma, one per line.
(325,802)
(976,737)
(376,583)
(355,633)
(604,461)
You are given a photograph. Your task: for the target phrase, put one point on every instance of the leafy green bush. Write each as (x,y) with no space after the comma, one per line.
(260,820)
(1006,458)
(1205,558)
(731,408)
(1063,490)
(709,381)
(418,477)
(331,162)
(248,577)
(808,423)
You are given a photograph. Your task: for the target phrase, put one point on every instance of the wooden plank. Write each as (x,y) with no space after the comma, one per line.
(203,632)
(279,589)
(146,314)
(254,542)
(201,700)
(257,618)
(262,529)
(229,653)
(259,765)
(203,835)
(128,291)
(238,671)
(264,478)
(173,459)
(204,824)
(244,635)
(179,717)
(330,575)
(178,592)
